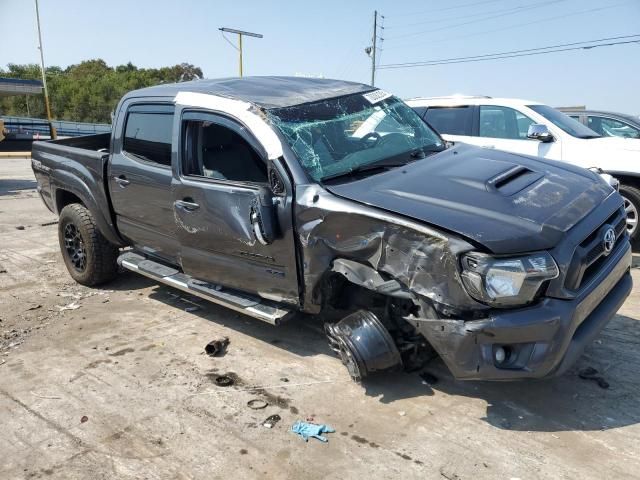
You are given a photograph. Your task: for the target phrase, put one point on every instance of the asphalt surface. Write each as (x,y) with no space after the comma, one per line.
(113,382)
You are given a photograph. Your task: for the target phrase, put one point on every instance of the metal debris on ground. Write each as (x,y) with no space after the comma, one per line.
(224,381)
(591,373)
(257,404)
(271,421)
(71,306)
(216,346)
(306,430)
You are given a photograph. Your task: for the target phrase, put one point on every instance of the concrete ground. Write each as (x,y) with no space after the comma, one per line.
(113,383)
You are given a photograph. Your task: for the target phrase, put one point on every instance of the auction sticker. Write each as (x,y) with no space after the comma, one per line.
(376,96)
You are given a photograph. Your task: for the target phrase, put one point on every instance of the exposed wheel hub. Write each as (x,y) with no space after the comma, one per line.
(74,246)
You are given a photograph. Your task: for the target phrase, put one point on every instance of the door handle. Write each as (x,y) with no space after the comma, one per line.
(187,204)
(122,181)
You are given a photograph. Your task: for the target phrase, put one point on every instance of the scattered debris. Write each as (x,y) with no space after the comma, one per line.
(224,381)
(591,373)
(191,309)
(34,307)
(306,430)
(84,419)
(20,227)
(428,379)
(217,346)
(46,224)
(257,404)
(271,421)
(3,270)
(402,414)
(284,379)
(71,306)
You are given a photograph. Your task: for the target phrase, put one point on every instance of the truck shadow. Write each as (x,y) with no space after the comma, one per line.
(566,403)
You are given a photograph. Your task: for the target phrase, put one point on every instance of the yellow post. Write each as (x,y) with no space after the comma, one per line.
(240,50)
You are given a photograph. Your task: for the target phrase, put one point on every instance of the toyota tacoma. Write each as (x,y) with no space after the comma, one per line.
(278,196)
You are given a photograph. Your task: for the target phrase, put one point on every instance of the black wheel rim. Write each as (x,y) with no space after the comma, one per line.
(74,245)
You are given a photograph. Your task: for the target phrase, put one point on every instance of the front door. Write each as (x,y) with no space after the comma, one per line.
(221,201)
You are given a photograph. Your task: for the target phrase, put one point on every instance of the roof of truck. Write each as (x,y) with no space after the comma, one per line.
(265,92)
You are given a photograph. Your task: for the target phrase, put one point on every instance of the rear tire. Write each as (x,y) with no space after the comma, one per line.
(88,256)
(631,197)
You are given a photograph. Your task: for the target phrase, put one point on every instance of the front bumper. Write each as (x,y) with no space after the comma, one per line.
(545,339)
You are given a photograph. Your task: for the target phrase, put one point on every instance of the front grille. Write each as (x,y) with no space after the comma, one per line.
(590,256)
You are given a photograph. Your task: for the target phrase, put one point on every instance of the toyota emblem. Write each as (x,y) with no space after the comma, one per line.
(608,240)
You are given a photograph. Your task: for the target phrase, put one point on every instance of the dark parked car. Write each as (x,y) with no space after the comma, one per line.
(608,124)
(276,195)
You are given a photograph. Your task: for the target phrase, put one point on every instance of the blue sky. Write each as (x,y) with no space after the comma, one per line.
(328,38)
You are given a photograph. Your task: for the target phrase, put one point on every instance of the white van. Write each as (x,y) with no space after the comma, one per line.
(532,128)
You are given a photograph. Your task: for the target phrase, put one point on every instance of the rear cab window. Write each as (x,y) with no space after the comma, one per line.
(148,133)
(451,120)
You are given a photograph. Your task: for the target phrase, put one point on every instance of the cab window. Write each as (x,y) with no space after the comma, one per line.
(450,120)
(215,151)
(503,122)
(612,128)
(148,131)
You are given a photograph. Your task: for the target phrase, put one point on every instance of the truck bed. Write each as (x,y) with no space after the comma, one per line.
(76,169)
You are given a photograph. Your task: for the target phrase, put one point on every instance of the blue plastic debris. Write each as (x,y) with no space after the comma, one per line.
(306,430)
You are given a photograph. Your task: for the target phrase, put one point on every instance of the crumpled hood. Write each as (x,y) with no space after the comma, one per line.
(508,203)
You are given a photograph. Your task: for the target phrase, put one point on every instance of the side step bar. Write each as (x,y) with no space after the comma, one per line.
(256,307)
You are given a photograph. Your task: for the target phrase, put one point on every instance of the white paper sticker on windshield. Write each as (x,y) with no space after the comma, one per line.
(376,96)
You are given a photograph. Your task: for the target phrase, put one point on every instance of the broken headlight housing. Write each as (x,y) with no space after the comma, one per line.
(506,281)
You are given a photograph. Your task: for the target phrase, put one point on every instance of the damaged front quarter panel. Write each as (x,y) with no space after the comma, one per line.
(421,260)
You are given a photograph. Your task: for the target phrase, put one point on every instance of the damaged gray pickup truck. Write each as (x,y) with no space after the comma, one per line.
(275,195)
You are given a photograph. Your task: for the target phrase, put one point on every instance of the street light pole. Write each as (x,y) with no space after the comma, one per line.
(240,33)
(52,130)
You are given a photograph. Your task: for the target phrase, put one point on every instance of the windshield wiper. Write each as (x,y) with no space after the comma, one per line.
(369,168)
(387,163)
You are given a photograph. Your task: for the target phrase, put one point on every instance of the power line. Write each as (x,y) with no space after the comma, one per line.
(508,27)
(472,4)
(458,17)
(585,45)
(516,10)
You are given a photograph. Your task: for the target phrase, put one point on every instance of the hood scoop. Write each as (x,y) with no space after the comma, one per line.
(513,180)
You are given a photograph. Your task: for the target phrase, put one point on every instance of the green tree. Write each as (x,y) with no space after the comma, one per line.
(88,91)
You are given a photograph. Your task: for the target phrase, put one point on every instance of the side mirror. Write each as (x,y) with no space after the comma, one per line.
(539,132)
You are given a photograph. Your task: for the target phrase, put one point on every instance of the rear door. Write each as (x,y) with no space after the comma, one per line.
(221,187)
(453,123)
(140,176)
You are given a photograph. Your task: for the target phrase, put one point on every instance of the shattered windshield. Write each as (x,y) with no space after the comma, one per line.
(341,136)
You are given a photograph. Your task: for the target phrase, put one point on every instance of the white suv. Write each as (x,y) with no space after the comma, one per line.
(532,128)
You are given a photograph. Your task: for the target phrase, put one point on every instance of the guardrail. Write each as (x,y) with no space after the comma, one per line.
(24,128)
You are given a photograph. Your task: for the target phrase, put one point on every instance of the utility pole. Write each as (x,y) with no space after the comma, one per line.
(52,130)
(240,33)
(373,50)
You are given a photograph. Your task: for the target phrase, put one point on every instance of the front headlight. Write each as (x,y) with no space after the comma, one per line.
(506,282)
